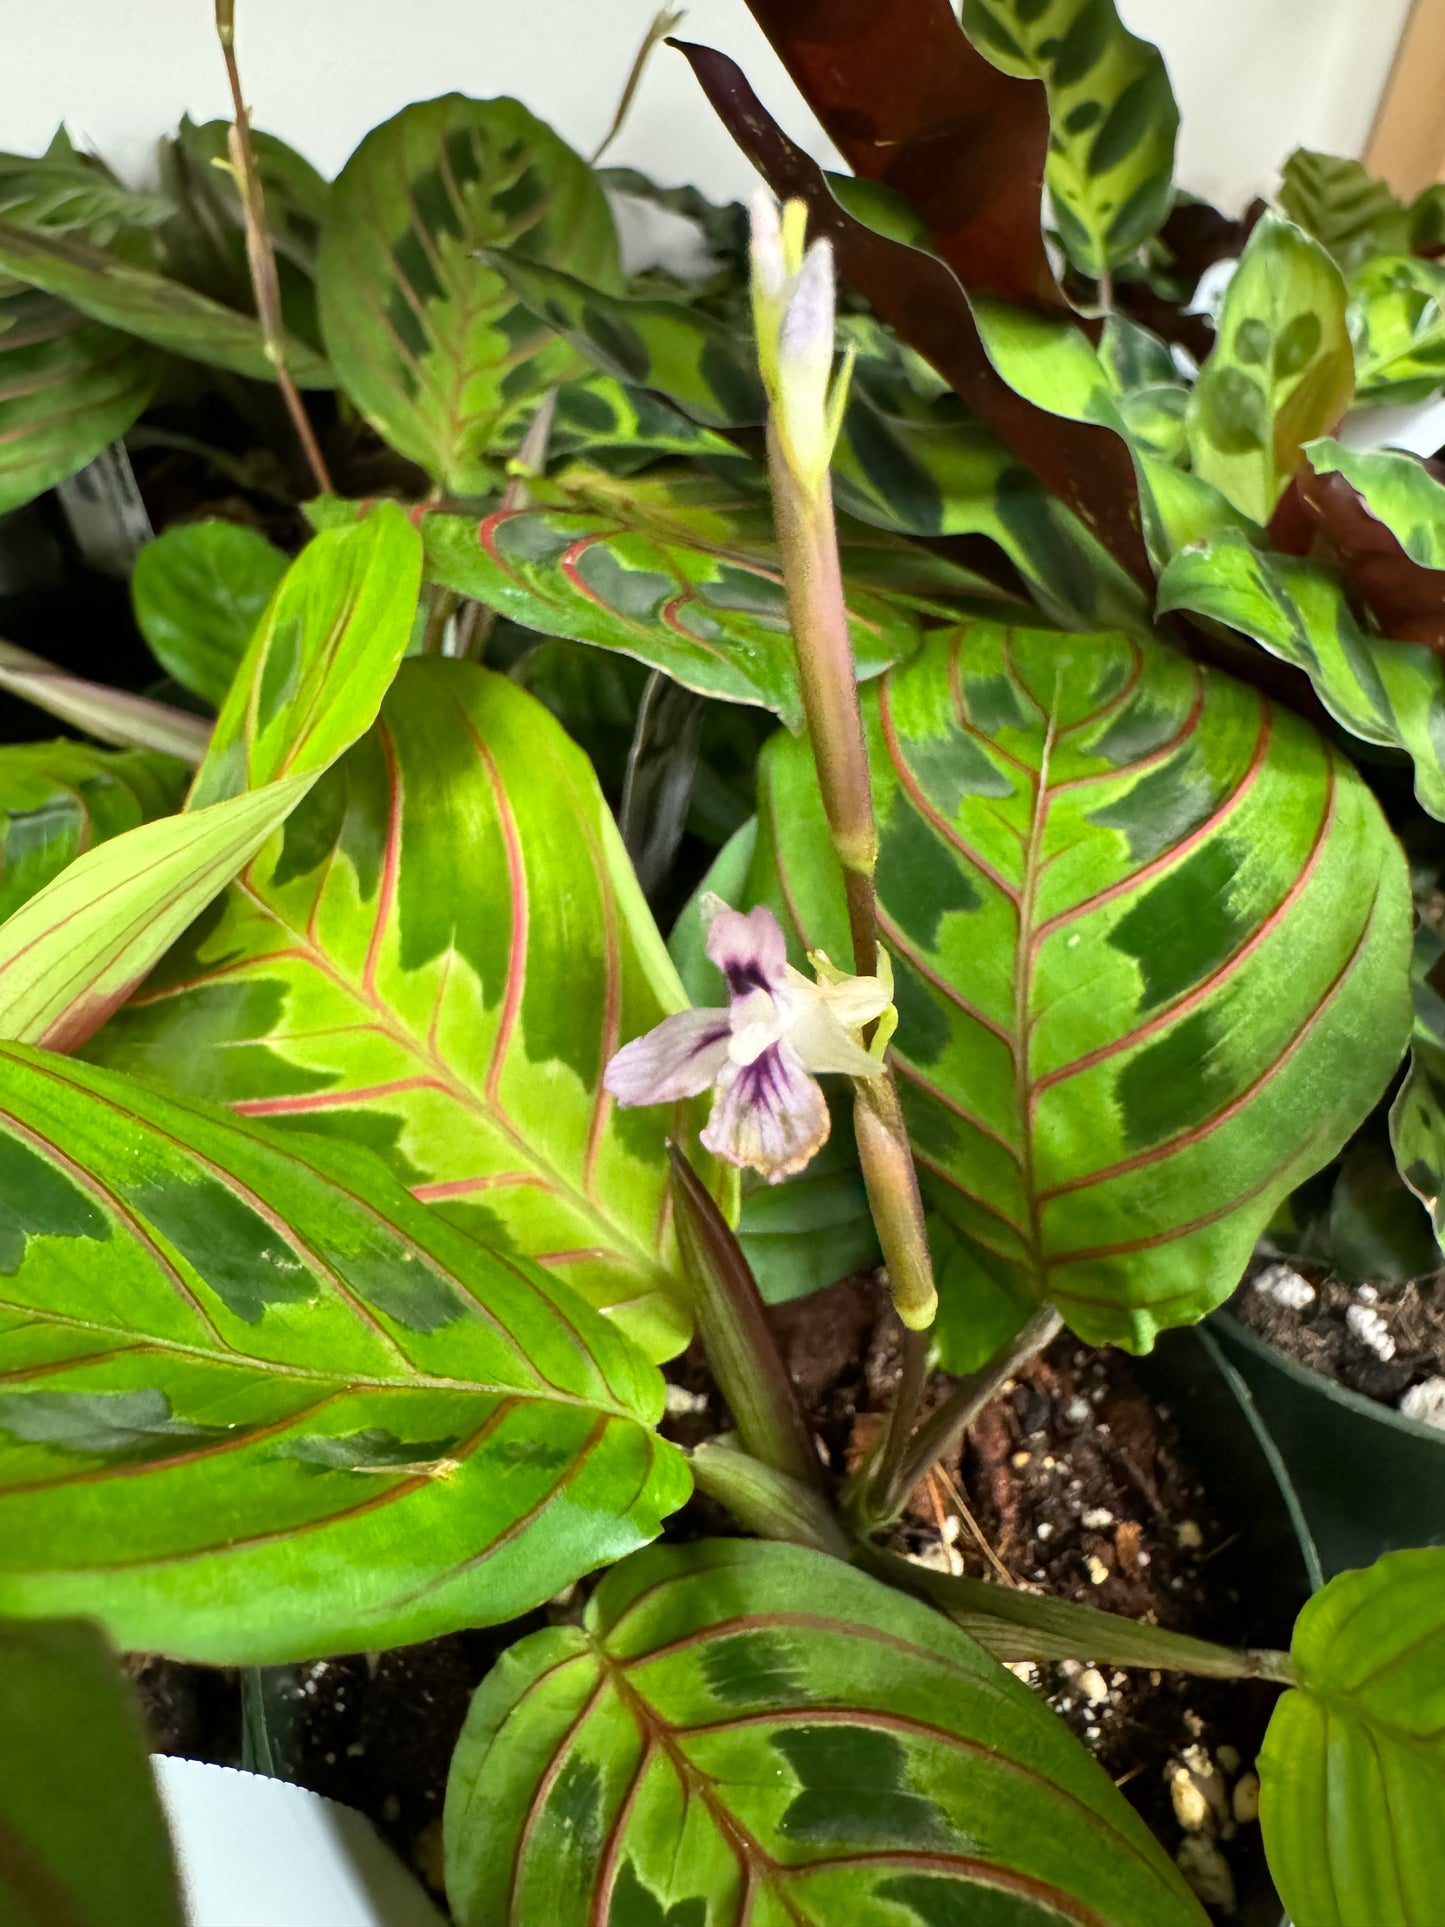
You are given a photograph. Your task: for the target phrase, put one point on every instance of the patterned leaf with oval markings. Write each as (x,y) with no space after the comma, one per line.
(1111,112)
(426,337)
(1381,691)
(1150,938)
(1281,371)
(59,799)
(677,571)
(1352,1772)
(742,1733)
(68,387)
(258,1405)
(437,960)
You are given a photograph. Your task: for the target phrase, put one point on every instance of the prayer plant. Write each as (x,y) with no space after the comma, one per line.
(1051,697)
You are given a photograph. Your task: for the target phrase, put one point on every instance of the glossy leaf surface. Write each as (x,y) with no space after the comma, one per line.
(82,1837)
(426,337)
(258,1404)
(139,302)
(1149,938)
(1112,116)
(1397,322)
(750,1733)
(68,387)
(1384,692)
(1352,1773)
(679,572)
(198,592)
(437,960)
(1348,211)
(1281,371)
(60,799)
(312,684)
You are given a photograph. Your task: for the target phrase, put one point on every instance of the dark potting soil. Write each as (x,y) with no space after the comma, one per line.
(1379,1340)
(1071,1484)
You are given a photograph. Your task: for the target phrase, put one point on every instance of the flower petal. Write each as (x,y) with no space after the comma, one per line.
(823,1044)
(769,1115)
(854,1001)
(681,1058)
(750,951)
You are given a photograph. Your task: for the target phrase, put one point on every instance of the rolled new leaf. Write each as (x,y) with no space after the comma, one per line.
(82,1836)
(438,959)
(1352,1772)
(314,681)
(741,1732)
(307,1415)
(1150,938)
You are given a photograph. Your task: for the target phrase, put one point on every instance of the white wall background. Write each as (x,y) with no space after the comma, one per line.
(1254,78)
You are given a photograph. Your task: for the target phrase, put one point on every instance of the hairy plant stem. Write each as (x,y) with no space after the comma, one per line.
(260,255)
(828,679)
(737,1337)
(772,1504)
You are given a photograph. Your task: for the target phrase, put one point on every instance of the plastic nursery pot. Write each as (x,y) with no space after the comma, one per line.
(1369,1479)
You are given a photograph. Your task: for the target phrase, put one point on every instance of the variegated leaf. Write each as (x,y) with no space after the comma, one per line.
(426,337)
(1150,937)
(60,799)
(741,1734)
(437,960)
(1397,324)
(1344,207)
(68,387)
(256,1404)
(1112,117)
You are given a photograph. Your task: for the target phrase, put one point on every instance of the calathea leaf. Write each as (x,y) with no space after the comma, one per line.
(1381,517)
(1381,691)
(1111,112)
(1397,324)
(1352,1773)
(1135,914)
(615,424)
(139,302)
(438,960)
(65,191)
(1344,207)
(68,387)
(84,1838)
(59,799)
(1281,371)
(1417,1116)
(260,1405)
(744,1732)
(426,337)
(311,684)
(679,571)
(198,592)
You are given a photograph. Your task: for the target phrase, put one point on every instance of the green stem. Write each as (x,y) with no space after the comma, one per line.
(736,1335)
(1013,1625)
(767,1502)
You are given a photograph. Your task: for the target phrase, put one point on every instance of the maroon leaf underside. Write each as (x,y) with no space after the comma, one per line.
(910,103)
(921,299)
(1406,599)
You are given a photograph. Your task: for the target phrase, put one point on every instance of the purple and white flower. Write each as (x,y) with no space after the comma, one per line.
(760,1054)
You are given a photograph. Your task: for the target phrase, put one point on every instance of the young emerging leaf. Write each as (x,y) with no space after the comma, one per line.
(317,673)
(437,960)
(138,302)
(1397,324)
(82,1837)
(745,1733)
(59,799)
(426,337)
(1381,691)
(1281,371)
(258,1405)
(68,388)
(1112,116)
(198,592)
(1149,937)
(1352,1773)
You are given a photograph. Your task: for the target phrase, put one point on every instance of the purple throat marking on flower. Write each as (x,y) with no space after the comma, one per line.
(760,1056)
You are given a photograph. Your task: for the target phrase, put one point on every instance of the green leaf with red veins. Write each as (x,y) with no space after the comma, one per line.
(1150,938)
(426,337)
(60,799)
(437,960)
(257,1404)
(750,1735)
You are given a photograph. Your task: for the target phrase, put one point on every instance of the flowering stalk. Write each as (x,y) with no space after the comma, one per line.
(794,319)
